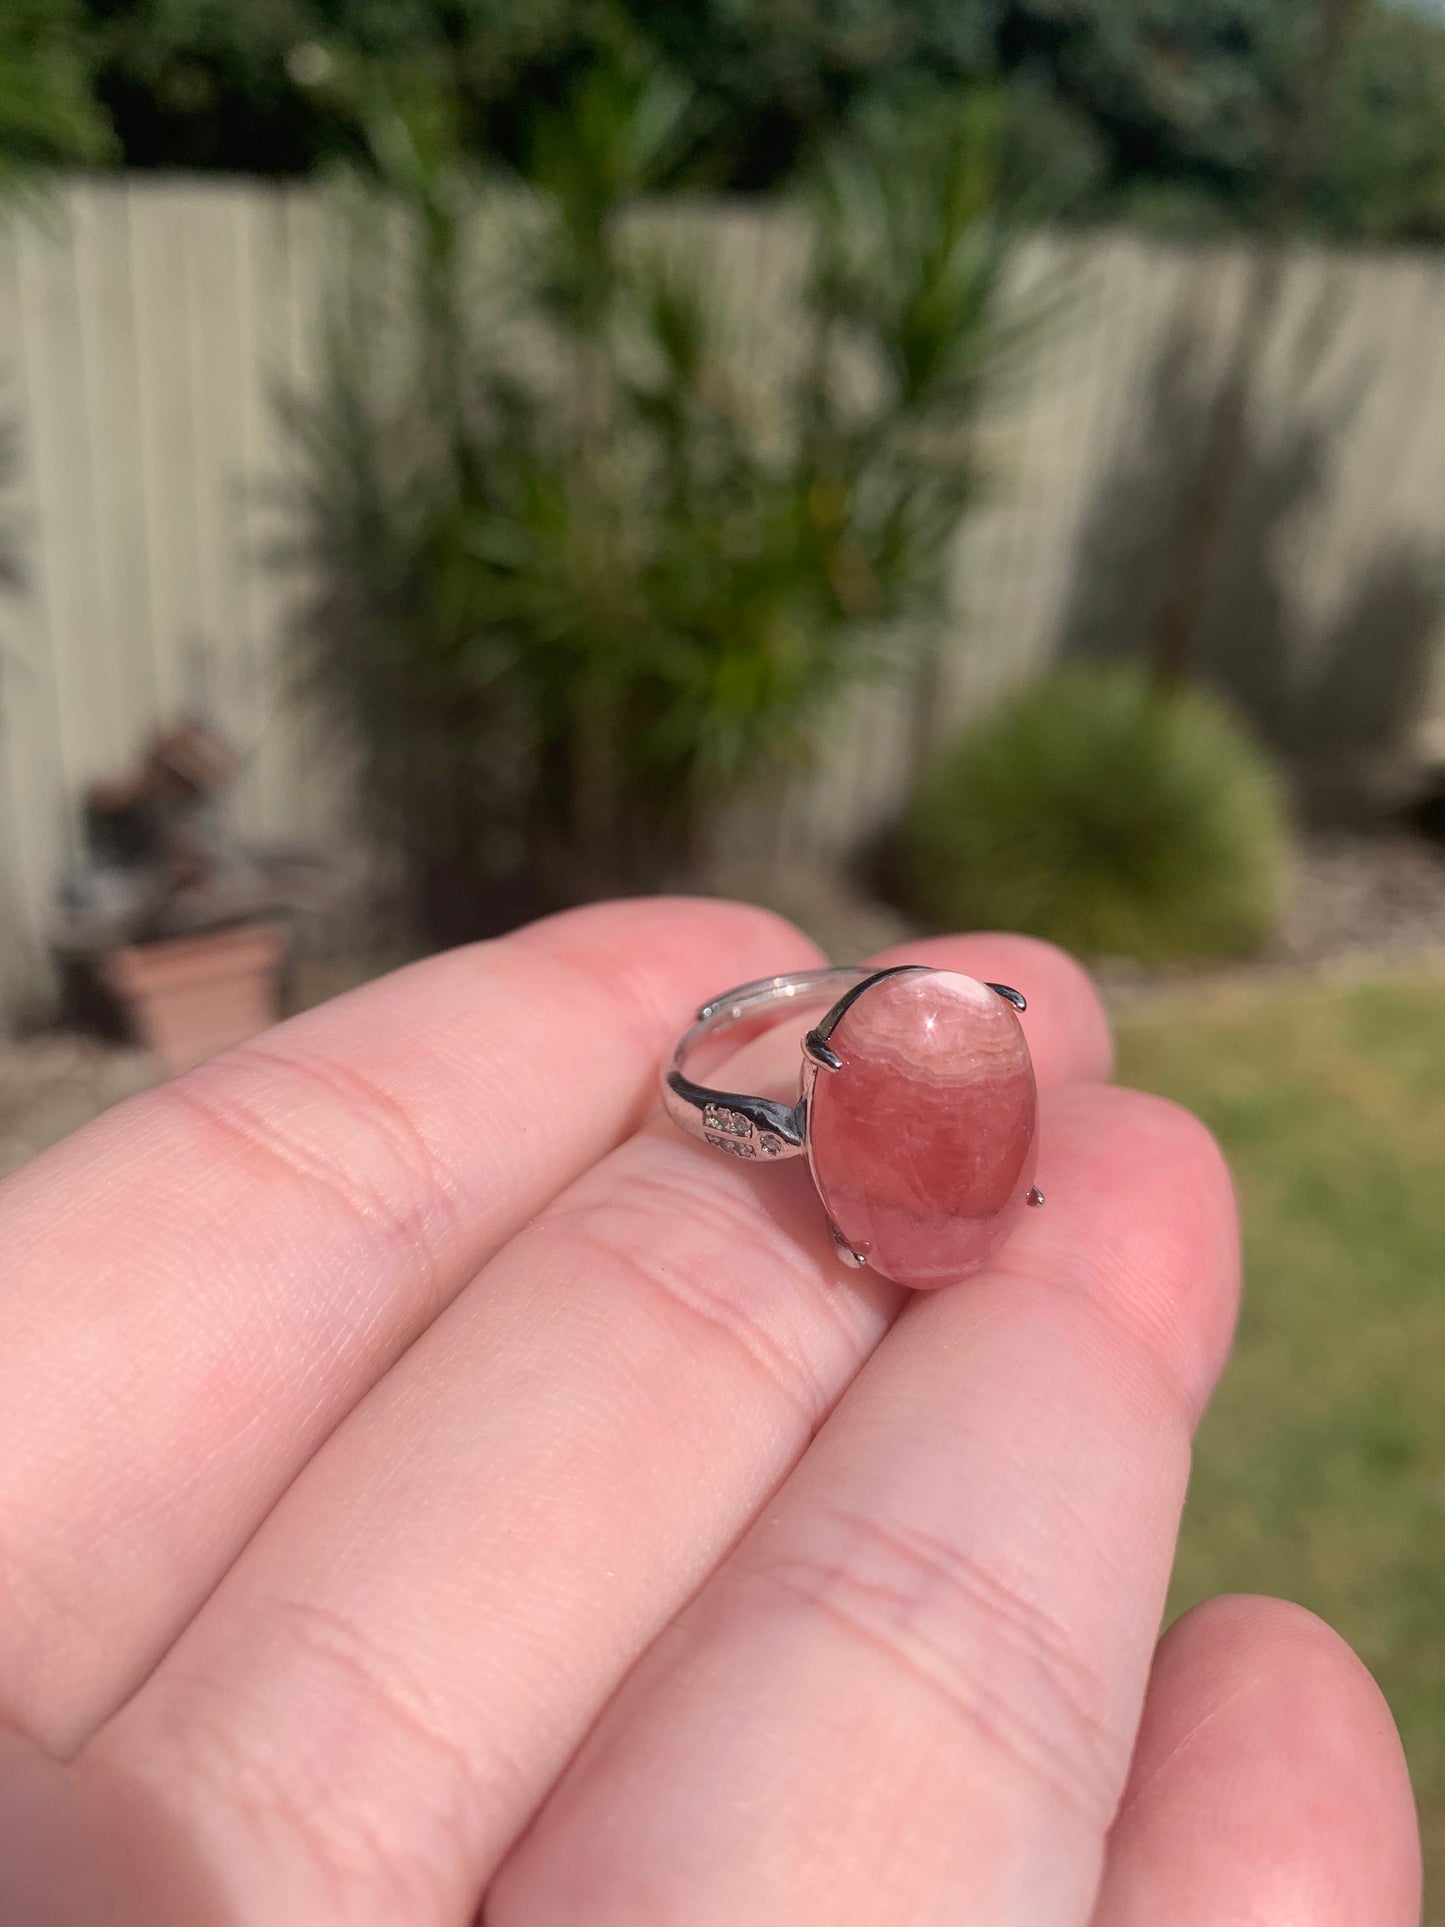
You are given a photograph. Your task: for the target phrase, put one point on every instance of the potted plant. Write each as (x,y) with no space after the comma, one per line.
(190,997)
(183,930)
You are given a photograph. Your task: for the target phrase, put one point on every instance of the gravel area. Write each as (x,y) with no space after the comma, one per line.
(1362,897)
(1359,903)
(50,1086)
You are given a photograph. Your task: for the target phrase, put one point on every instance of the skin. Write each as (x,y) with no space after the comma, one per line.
(433,1489)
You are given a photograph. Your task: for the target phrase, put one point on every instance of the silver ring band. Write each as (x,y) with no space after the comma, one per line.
(745,1126)
(759,1127)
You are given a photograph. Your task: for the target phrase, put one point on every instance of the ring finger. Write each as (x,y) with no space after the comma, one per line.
(1268,1783)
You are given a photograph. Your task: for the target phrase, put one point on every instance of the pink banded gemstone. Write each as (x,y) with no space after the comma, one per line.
(923,1144)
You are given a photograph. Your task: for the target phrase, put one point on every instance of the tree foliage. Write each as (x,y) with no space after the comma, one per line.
(48,111)
(1382,175)
(1168,111)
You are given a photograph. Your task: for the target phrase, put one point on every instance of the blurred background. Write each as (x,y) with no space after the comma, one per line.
(920,463)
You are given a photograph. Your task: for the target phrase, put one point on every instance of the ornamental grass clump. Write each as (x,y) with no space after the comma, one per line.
(1105,812)
(588,551)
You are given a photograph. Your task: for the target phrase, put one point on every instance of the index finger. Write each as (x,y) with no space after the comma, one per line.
(197,1286)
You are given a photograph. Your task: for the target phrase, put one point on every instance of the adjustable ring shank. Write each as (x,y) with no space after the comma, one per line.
(731,1121)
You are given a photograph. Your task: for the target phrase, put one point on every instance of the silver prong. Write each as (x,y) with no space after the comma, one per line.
(1015,997)
(1035,1197)
(850,1256)
(814,1047)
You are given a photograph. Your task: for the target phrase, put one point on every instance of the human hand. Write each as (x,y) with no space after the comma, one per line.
(413,1501)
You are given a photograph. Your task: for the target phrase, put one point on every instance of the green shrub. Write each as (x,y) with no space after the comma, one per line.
(1111,816)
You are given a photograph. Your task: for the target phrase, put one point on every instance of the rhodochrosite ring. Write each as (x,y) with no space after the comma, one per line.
(916,1110)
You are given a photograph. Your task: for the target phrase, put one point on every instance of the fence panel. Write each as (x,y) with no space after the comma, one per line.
(148,325)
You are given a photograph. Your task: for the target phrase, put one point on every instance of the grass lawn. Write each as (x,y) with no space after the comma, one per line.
(1320,1472)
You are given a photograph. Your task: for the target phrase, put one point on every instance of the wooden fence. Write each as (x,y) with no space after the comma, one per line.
(147,326)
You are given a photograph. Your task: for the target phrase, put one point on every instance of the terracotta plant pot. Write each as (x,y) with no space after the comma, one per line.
(189,997)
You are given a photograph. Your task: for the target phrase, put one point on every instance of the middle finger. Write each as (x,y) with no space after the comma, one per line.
(908,1697)
(910,1694)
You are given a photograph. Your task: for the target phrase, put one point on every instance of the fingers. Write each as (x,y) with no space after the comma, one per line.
(197,1286)
(86,1855)
(1268,1784)
(910,1694)
(381,1689)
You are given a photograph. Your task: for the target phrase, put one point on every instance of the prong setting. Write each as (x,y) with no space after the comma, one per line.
(854,1259)
(817,1050)
(1010,995)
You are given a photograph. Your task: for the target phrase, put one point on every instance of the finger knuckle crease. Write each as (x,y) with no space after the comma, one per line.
(705,1289)
(397,1187)
(271,1796)
(1005,1669)
(370,1692)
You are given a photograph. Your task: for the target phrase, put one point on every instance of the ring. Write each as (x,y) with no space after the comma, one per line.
(917,1112)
